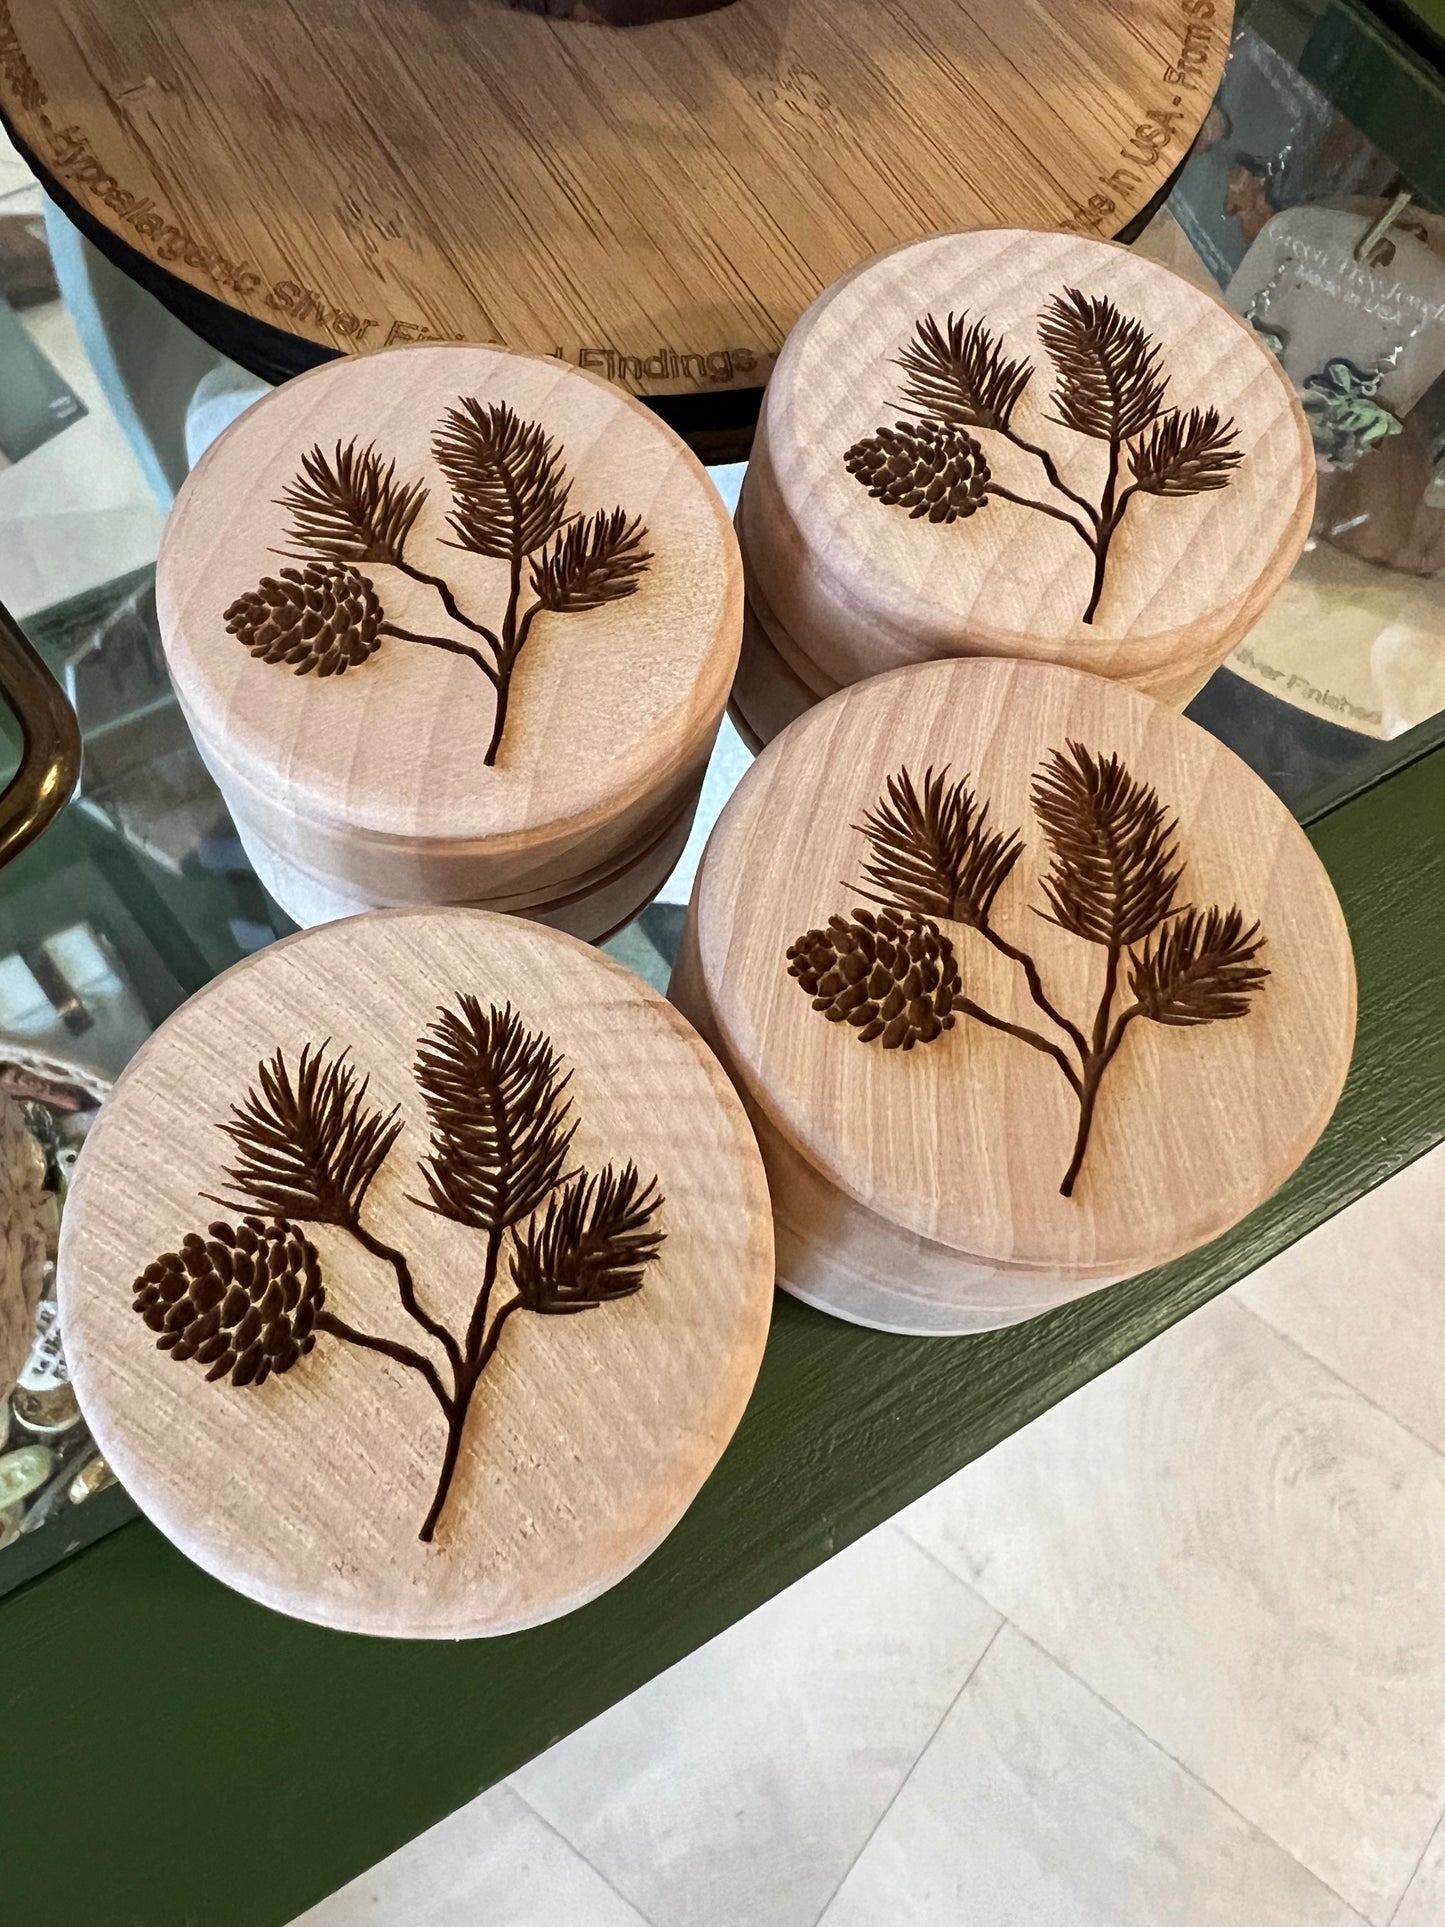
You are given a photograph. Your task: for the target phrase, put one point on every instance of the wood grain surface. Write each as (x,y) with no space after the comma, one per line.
(956,1146)
(374,781)
(593,908)
(845,1427)
(853,585)
(657,204)
(768,691)
(588,1435)
(776,683)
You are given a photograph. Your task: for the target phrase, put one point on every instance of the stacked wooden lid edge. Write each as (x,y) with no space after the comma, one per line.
(452,624)
(1020,444)
(1028,983)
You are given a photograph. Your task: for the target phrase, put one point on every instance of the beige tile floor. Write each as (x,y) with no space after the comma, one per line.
(1173,1656)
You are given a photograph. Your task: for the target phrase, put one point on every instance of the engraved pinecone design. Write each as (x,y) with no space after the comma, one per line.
(930,468)
(240,1301)
(324,616)
(890,975)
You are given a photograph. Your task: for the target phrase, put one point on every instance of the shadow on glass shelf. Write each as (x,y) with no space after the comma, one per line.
(1310,763)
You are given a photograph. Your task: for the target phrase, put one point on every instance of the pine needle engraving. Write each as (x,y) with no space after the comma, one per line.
(249,1301)
(893,974)
(1109,388)
(509,490)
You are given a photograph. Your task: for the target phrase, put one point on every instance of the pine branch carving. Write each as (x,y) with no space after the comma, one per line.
(501,1123)
(959,373)
(510,491)
(508,479)
(1110,387)
(593,1243)
(600,559)
(1114,872)
(350,507)
(1114,866)
(249,1302)
(309,1143)
(934,852)
(1200,969)
(1185,454)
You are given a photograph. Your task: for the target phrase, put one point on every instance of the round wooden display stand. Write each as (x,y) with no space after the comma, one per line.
(583,1437)
(918,1188)
(958,455)
(556,585)
(656,203)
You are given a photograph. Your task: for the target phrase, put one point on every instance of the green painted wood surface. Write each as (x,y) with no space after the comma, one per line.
(1394,95)
(174,1757)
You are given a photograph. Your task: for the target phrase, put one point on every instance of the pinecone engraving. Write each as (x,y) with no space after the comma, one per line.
(309,1143)
(1114,872)
(242,1301)
(891,975)
(324,616)
(509,489)
(1110,389)
(929,468)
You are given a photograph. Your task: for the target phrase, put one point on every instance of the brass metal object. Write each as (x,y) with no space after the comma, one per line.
(50,737)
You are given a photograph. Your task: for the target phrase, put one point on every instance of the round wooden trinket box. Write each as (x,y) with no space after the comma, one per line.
(1028,985)
(453,625)
(417,1272)
(1006,443)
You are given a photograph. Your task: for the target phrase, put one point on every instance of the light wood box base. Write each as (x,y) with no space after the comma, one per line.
(428,1426)
(772,687)
(502,700)
(595,911)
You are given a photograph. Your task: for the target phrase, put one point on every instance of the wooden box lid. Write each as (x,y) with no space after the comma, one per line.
(1175,858)
(426,1098)
(445,492)
(873,520)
